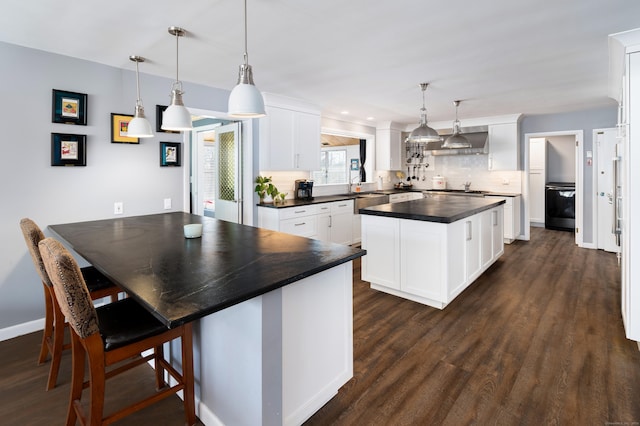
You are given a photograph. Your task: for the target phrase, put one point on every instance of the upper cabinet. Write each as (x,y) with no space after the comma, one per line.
(388,146)
(289,135)
(504,149)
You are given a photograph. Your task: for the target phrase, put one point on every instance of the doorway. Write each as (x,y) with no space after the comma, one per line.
(532,177)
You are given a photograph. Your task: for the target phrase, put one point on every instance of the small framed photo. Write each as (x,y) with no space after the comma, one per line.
(159,111)
(170,154)
(120,127)
(355,164)
(69,107)
(68,150)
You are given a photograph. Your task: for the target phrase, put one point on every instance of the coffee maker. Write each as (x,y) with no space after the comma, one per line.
(304,189)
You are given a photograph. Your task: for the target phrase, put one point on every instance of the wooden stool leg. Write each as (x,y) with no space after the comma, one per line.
(58,343)
(77,377)
(94,347)
(159,355)
(187,374)
(48,325)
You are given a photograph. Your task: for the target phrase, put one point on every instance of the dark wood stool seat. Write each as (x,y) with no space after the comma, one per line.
(53,335)
(112,334)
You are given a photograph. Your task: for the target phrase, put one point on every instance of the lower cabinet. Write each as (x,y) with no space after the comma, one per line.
(430,262)
(331,222)
(511,216)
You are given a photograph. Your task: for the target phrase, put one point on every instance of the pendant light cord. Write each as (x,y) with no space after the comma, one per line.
(177,61)
(246,55)
(138,100)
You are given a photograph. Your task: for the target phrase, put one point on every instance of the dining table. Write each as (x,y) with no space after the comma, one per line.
(272,312)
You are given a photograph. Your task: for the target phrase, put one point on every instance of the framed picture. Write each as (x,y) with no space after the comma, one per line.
(68,150)
(355,164)
(170,154)
(69,107)
(120,127)
(159,111)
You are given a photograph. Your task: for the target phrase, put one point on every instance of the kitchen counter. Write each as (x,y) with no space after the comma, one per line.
(441,210)
(273,311)
(430,250)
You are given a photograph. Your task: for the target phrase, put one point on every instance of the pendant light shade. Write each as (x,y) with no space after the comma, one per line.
(245,100)
(423,133)
(176,117)
(456,140)
(139,126)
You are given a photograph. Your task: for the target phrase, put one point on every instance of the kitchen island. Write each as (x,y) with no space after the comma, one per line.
(430,250)
(272,312)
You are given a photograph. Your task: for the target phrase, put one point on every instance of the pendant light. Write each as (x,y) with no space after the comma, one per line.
(456,140)
(245,100)
(423,133)
(176,117)
(139,126)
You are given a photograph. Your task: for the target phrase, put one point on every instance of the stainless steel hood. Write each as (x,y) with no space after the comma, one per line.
(478,137)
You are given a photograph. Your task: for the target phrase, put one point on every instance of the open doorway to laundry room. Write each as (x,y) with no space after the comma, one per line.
(552,157)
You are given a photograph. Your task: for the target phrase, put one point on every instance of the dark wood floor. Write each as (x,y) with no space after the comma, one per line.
(537,339)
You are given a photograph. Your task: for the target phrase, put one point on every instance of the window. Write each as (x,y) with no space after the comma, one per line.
(333,167)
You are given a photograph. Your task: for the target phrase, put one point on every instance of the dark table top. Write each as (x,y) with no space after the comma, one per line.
(179,279)
(441,209)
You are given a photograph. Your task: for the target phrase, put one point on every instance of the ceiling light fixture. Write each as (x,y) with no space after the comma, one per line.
(456,140)
(423,133)
(176,117)
(245,100)
(139,126)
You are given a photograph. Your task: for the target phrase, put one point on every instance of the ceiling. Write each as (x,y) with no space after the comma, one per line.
(367,58)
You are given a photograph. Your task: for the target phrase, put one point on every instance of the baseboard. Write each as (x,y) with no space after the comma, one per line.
(21,329)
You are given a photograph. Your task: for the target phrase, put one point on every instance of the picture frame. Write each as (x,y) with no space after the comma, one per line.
(69,107)
(170,154)
(355,164)
(159,111)
(119,127)
(68,150)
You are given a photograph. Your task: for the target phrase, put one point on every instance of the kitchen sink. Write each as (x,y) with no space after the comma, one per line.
(367,200)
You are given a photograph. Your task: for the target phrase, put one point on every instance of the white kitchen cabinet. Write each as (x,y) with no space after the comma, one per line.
(389,146)
(429,262)
(511,216)
(381,266)
(537,179)
(504,149)
(324,221)
(289,139)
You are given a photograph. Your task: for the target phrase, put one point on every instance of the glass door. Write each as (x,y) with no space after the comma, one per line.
(228,193)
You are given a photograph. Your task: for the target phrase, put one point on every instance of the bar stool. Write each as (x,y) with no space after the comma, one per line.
(111,334)
(53,335)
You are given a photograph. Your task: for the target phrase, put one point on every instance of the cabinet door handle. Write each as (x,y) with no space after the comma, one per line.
(300,224)
(342,205)
(330,221)
(297,161)
(469,230)
(495,218)
(300,211)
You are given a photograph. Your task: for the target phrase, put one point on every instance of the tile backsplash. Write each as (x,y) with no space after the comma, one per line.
(456,169)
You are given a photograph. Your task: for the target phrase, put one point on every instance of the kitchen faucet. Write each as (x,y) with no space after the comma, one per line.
(351,191)
(467,185)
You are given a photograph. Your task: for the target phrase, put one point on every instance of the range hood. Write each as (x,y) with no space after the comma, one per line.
(478,136)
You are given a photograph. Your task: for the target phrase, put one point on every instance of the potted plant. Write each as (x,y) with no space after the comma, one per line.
(264,187)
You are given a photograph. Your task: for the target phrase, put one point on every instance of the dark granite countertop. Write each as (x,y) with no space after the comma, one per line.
(179,279)
(445,209)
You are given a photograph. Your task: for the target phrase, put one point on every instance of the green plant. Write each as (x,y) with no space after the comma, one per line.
(264,187)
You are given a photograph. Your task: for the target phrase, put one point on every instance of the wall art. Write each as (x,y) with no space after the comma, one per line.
(69,107)
(68,149)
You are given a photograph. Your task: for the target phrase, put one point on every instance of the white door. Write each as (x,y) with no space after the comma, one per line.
(606,145)
(228,194)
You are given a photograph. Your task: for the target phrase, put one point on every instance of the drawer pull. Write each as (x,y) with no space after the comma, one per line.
(300,211)
(300,224)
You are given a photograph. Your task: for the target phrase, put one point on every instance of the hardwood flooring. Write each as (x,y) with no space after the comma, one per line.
(537,339)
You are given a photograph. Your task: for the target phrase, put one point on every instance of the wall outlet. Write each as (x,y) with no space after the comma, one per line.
(167,203)
(118,207)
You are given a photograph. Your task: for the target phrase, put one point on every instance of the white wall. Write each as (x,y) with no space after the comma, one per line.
(114,172)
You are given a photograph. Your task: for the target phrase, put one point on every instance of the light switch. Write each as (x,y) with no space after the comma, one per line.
(167,203)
